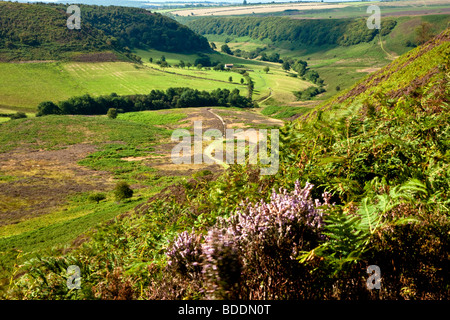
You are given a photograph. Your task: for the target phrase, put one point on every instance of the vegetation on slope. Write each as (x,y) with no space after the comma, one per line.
(39,31)
(405,77)
(139,28)
(315,32)
(383,176)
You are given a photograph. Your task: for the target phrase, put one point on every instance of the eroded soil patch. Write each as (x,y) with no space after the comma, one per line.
(43,179)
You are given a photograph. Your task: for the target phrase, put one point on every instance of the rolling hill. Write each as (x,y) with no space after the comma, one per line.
(363,182)
(39,32)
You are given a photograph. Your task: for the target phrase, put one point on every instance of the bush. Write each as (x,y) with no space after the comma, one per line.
(112,113)
(252,254)
(122,191)
(18,115)
(97,197)
(46,108)
(309,93)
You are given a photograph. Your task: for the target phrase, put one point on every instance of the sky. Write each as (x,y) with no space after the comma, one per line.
(112,2)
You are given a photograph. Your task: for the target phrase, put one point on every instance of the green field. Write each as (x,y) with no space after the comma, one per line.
(354,9)
(28,84)
(24,86)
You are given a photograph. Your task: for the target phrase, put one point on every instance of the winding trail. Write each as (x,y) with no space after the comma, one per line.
(390,56)
(224,125)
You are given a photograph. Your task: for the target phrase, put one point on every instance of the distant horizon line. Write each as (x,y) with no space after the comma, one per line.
(198,1)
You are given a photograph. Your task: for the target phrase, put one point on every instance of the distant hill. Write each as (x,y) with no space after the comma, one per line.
(315,32)
(39,31)
(293,34)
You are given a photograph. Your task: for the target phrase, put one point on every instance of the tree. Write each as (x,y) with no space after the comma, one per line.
(286,66)
(150,59)
(97,197)
(112,113)
(163,58)
(213,45)
(313,76)
(250,87)
(266,69)
(122,191)
(188,65)
(182,64)
(226,49)
(219,67)
(300,67)
(204,60)
(164,64)
(242,80)
(423,33)
(47,107)
(230,79)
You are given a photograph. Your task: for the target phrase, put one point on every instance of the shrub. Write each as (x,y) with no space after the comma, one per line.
(97,197)
(112,113)
(122,191)
(46,108)
(18,115)
(252,254)
(308,93)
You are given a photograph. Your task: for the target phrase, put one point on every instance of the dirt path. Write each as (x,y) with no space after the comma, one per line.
(224,125)
(211,118)
(390,56)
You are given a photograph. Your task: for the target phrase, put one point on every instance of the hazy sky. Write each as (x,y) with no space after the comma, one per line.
(108,2)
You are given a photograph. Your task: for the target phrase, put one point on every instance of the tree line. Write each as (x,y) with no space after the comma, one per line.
(155,100)
(343,32)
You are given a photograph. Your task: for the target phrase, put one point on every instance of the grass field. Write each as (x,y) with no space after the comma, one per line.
(27,84)
(24,86)
(254,9)
(316,10)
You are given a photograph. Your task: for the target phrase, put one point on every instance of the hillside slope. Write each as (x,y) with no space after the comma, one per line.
(369,187)
(405,77)
(297,33)
(39,31)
